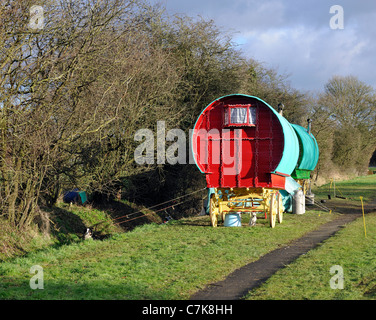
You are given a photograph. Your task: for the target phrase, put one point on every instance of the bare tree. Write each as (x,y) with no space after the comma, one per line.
(345,119)
(45,76)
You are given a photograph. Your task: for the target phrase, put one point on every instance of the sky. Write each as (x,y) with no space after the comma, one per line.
(300,38)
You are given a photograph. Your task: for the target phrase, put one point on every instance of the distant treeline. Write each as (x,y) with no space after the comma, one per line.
(77,84)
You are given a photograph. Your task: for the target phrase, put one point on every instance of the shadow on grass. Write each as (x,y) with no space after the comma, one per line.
(348,206)
(125,216)
(68,227)
(203,221)
(19,289)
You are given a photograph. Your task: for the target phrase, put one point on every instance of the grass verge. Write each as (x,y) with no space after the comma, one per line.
(352,190)
(308,278)
(174,260)
(169,261)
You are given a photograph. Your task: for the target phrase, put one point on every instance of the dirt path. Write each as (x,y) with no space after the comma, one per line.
(252,275)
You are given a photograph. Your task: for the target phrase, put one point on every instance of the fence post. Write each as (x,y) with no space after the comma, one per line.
(364,220)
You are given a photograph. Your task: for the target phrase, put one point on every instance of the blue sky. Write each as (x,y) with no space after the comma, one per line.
(295,37)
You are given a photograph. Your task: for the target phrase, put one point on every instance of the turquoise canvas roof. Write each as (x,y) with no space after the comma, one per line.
(309,154)
(291,150)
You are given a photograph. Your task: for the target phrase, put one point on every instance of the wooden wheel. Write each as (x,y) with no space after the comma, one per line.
(279,208)
(213,211)
(272,210)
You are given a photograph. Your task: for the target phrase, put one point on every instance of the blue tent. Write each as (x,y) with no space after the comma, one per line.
(75,196)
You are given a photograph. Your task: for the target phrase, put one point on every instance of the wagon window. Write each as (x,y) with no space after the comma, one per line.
(238,115)
(252,115)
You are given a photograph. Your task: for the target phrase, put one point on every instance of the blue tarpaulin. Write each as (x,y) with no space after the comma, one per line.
(290,187)
(75,196)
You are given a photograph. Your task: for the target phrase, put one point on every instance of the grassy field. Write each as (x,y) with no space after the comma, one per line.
(309,276)
(174,260)
(169,261)
(350,189)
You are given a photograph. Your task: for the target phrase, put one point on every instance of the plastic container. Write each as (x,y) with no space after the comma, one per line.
(233,220)
(298,202)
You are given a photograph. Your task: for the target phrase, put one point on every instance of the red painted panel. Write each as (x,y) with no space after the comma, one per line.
(278,181)
(234,162)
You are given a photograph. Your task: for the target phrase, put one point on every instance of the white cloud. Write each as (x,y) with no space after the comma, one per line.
(295,37)
(309,55)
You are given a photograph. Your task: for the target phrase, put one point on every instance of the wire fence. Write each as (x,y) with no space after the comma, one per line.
(128,216)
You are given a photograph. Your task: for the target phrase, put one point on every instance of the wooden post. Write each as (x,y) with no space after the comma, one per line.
(364,220)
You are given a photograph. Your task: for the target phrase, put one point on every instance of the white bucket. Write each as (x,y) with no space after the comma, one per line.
(233,220)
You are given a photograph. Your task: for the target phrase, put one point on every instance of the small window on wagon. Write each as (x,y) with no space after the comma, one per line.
(239,115)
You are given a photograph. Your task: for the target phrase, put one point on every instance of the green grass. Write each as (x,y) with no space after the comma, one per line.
(309,276)
(351,189)
(174,260)
(169,261)
(14,242)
